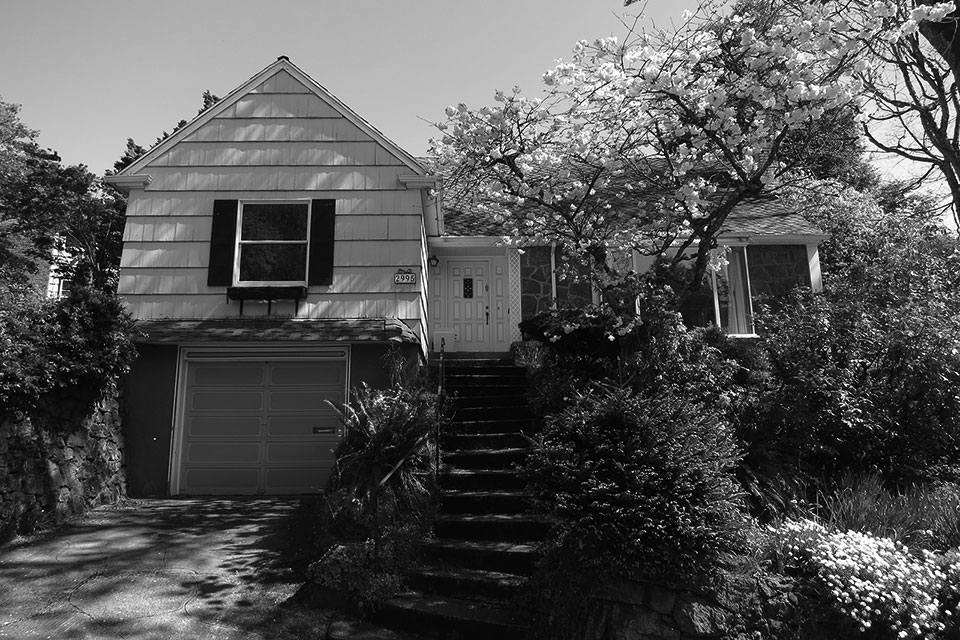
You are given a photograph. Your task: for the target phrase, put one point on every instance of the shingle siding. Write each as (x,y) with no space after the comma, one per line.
(279,141)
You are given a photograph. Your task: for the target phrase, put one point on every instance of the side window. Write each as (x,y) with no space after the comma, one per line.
(272,243)
(725,298)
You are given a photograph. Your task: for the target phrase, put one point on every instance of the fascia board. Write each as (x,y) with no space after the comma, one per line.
(746,238)
(465,241)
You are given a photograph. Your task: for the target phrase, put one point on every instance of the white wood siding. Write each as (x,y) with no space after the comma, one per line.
(280,141)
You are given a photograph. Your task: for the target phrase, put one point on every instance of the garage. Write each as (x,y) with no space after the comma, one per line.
(253,424)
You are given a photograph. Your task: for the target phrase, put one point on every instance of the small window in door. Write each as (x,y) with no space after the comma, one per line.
(468,287)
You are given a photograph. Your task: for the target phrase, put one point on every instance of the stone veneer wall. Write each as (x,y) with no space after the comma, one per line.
(536,293)
(536,281)
(776,269)
(50,473)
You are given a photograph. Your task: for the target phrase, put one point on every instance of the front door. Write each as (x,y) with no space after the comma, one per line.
(476,304)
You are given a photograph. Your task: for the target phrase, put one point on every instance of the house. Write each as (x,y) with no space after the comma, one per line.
(769,250)
(275,249)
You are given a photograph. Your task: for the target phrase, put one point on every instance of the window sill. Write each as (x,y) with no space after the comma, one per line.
(295,292)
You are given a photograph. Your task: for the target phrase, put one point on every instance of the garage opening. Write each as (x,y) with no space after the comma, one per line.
(254,424)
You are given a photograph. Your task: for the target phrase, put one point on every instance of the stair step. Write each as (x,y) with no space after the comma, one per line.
(475,414)
(513,424)
(455,382)
(490,526)
(352,629)
(487,458)
(508,374)
(489,401)
(494,555)
(452,618)
(475,441)
(484,502)
(480,358)
(470,391)
(481,480)
(466,583)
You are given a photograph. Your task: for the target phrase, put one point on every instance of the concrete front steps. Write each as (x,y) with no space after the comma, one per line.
(486,541)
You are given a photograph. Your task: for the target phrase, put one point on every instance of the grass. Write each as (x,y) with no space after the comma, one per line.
(921,517)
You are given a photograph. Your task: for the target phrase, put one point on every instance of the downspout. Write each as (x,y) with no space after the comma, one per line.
(553,275)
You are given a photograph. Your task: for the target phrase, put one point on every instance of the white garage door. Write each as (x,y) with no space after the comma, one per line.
(260,426)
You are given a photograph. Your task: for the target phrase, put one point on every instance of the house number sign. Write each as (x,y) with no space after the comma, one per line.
(404,276)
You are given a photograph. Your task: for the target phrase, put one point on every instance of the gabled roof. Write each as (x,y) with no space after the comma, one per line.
(282,64)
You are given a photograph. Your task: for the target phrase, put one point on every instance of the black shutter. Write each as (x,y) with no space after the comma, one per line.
(322,228)
(223,243)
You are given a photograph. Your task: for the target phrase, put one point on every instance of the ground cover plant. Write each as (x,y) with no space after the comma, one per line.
(880,586)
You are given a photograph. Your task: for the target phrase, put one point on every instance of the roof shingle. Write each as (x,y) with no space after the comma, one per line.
(759,217)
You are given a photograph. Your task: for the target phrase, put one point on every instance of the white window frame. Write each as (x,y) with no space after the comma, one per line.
(740,311)
(239,242)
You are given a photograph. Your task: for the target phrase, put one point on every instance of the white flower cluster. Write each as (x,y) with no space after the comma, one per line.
(667,124)
(876,582)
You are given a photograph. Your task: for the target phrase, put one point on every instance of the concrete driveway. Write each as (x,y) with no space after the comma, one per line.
(216,569)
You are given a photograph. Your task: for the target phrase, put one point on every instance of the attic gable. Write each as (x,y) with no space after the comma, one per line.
(281,103)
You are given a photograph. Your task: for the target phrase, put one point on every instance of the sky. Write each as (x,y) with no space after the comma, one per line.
(91,74)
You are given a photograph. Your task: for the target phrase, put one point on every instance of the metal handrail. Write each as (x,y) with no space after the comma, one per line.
(441,392)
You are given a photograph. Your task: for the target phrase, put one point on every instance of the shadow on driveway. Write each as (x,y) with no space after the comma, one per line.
(179,568)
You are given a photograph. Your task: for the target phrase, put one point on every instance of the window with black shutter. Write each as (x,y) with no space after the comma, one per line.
(272,243)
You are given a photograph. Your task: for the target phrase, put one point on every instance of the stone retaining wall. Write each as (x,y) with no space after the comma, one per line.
(630,610)
(58,464)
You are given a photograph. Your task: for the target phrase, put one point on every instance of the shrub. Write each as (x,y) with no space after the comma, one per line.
(636,338)
(379,494)
(74,347)
(365,575)
(873,581)
(832,388)
(383,461)
(639,484)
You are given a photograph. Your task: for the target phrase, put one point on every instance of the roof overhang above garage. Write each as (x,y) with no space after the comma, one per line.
(275,330)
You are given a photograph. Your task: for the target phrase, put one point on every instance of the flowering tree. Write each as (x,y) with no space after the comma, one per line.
(652,142)
(911,84)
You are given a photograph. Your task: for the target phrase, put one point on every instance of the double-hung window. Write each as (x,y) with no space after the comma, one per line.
(272,243)
(264,243)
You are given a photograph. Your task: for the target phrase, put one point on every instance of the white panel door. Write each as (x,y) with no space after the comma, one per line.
(477,311)
(468,303)
(259,427)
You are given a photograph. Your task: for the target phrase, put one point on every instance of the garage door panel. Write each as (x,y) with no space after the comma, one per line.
(226,375)
(223,452)
(221,401)
(222,481)
(312,452)
(300,401)
(281,481)
(224,426)
(304,426)
(298,374)
(260,426)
